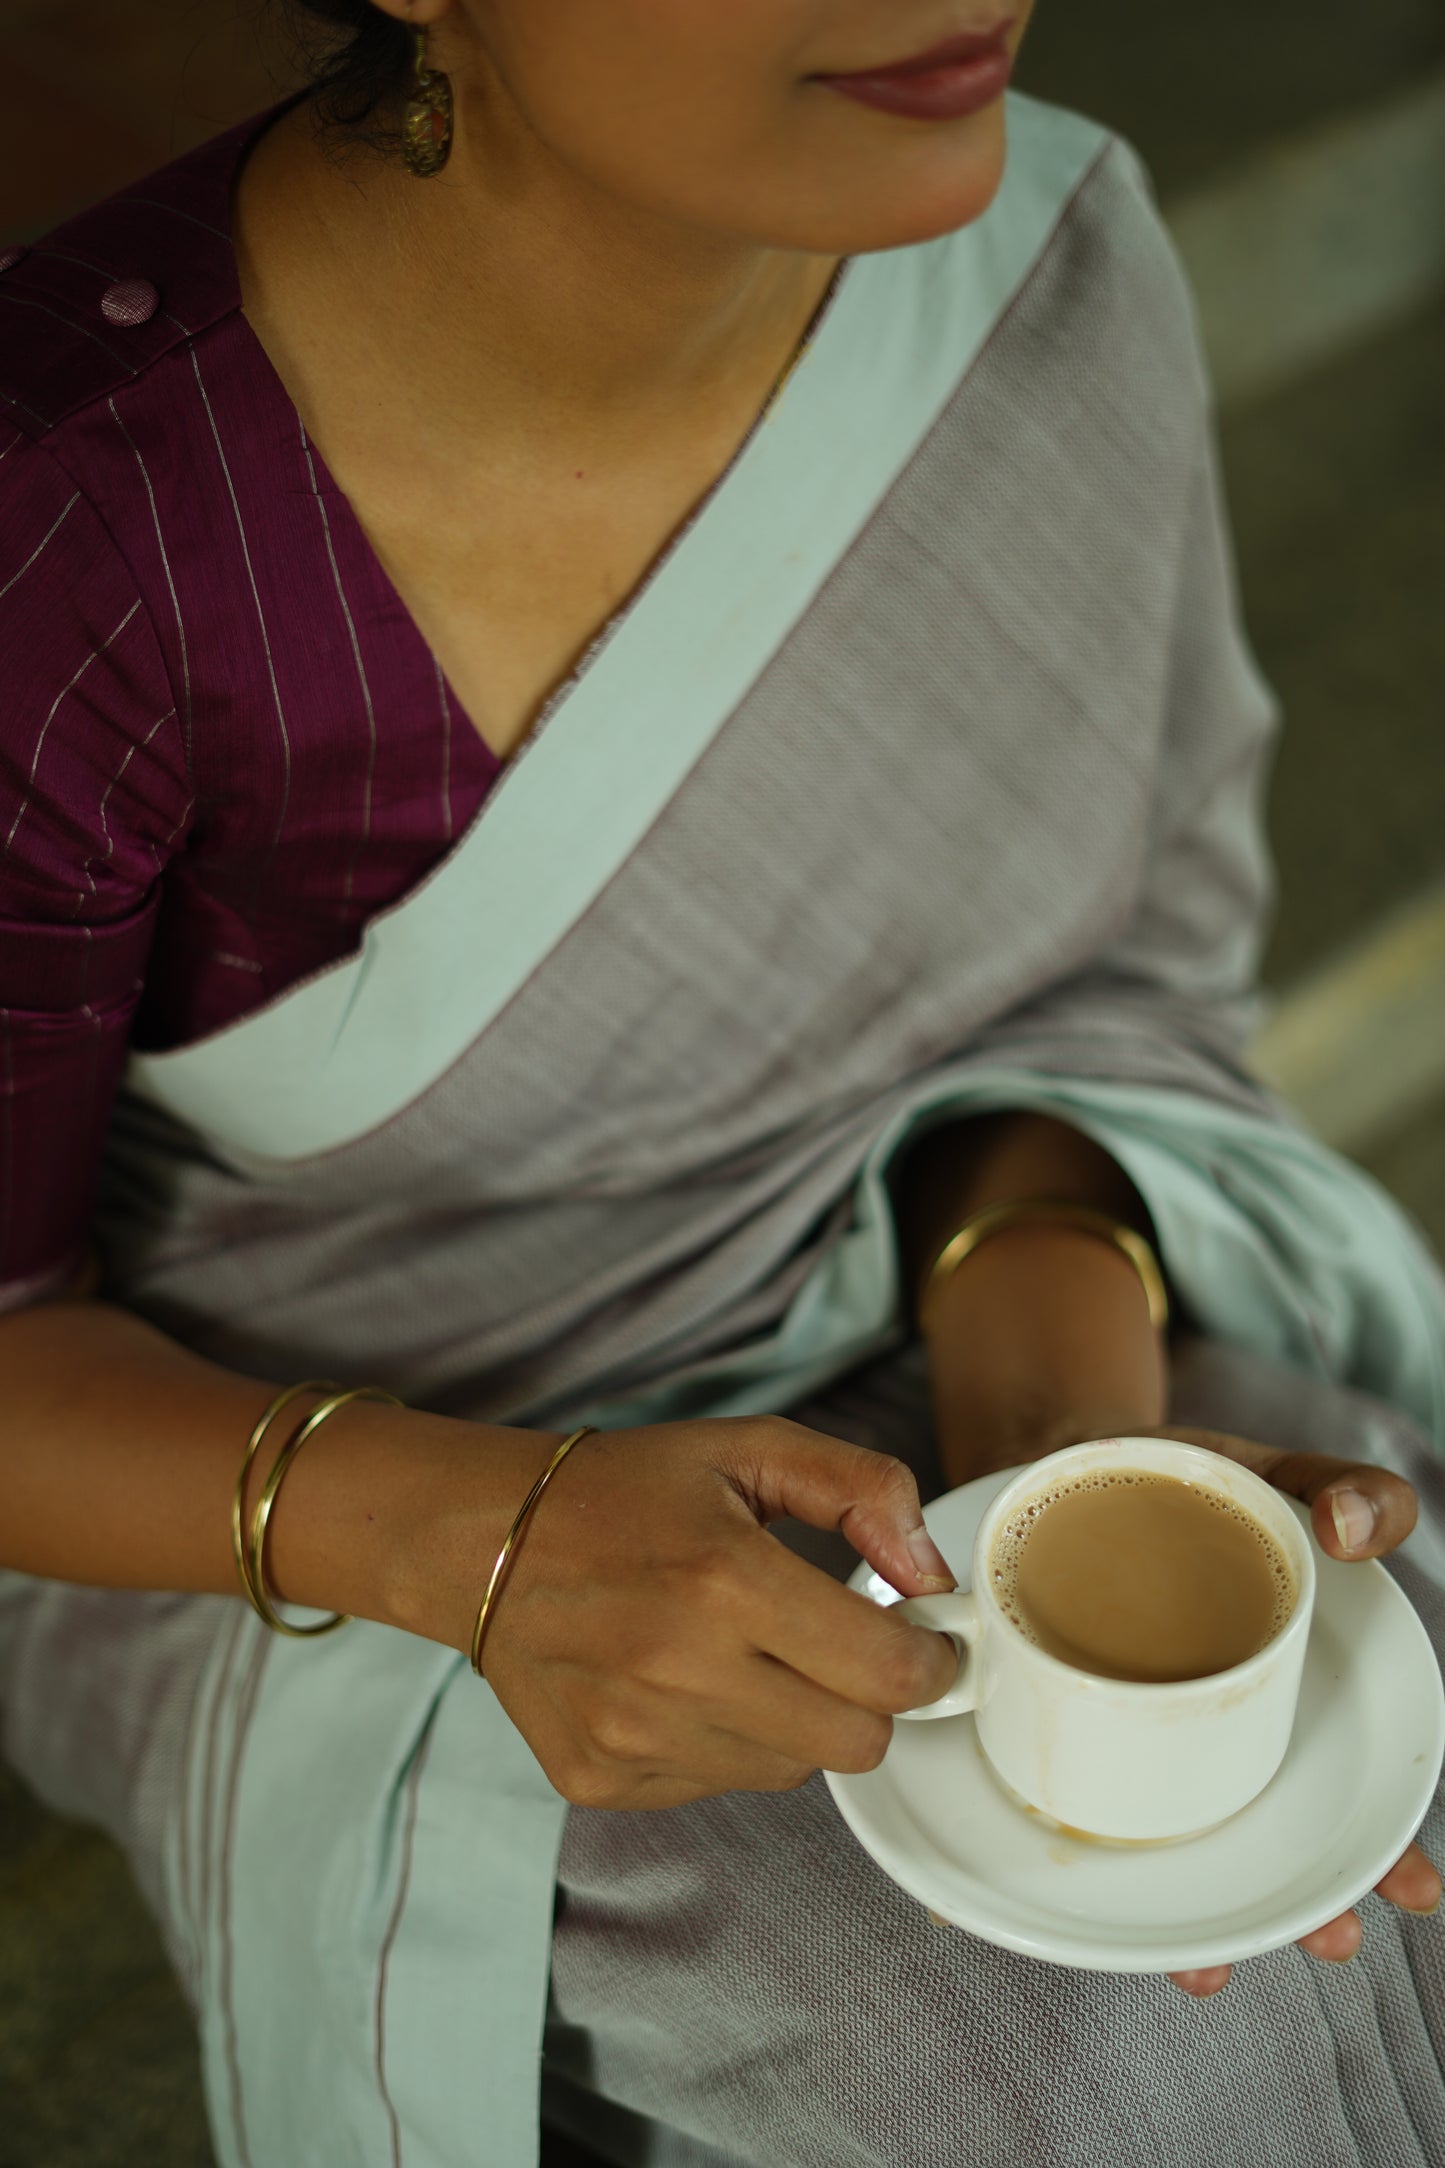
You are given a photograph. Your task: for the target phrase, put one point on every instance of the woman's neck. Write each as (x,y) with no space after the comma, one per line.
(507,300)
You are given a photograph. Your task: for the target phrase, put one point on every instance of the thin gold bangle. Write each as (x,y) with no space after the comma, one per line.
(513,1533)
(253,1446)
(257,1588)
(996,1217)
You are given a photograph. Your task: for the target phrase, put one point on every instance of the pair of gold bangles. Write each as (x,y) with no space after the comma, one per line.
(249,1545)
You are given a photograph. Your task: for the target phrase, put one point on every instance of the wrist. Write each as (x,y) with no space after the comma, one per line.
(979,1442)
(449,1521)
(394,1515)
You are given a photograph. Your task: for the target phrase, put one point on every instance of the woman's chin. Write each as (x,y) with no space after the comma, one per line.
(893,201)
(899,224)
(911,222)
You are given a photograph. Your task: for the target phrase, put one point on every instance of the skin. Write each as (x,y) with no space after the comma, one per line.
(645,201)
(585,311)
(701,132)
(661,194)
(523,375)
(1072,1355)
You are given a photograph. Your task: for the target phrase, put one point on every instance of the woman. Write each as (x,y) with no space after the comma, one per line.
(607,740)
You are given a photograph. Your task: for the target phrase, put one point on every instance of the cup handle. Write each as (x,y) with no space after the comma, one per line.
(957,1616)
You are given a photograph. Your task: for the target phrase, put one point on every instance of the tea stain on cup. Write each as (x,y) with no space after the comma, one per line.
(1069,1843)
(1067,1853)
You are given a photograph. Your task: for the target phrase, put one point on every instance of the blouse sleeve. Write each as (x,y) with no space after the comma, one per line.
(94,798)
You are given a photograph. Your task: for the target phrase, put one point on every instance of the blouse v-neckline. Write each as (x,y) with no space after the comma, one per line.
(319,479)
(331,1060)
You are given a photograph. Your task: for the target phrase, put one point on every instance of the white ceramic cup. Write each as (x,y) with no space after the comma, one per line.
(1126,1760)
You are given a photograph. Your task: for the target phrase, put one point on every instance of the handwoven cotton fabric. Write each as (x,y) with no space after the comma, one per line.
(982,830)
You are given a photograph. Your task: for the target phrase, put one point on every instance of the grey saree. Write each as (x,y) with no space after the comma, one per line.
(922,776)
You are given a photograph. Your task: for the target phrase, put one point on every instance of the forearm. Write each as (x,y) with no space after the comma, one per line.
(1042,1336)
(120,1452)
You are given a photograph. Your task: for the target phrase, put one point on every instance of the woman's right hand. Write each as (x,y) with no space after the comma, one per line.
(654,1643)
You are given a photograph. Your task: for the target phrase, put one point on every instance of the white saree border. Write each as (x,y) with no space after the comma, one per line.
(368,1785)
(344,1052)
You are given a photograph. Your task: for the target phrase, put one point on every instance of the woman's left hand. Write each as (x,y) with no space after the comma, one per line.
(1358,1512)
(1042,1341)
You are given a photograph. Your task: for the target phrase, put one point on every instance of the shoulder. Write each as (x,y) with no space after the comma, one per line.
(94,780)
(78,651)
(1110,269)
(102,467)
(1095,174)
(90,308)
(58,563)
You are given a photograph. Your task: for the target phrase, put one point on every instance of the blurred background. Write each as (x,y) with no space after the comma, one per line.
(1299,153)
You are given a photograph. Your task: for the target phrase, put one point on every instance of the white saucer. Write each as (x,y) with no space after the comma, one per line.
(1351,1792)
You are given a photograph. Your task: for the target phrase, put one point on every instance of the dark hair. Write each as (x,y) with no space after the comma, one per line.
(358,61)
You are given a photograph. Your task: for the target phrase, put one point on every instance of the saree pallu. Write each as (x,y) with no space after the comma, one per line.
(921,777)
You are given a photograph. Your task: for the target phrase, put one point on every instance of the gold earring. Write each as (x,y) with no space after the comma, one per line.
(426,120)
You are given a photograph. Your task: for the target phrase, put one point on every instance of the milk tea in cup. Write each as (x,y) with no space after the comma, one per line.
(1129,1574)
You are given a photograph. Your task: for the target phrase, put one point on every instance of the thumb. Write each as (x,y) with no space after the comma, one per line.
(1358,1511)
(780,1467)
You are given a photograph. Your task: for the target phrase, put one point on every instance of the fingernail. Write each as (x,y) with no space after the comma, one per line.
(1423,1912)
(1190,1982)
(930,1561)
(1354,1517)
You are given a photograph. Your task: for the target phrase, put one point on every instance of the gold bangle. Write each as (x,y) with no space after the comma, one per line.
(253,1446)
(256,1581)
(996,1217)
(513,1533)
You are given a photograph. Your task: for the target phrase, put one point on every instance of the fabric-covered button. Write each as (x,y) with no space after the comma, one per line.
(10,256)
(129,301)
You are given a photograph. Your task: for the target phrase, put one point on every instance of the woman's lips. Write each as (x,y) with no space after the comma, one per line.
(961,76)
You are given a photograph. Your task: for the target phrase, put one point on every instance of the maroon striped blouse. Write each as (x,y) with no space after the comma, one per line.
(224,743)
